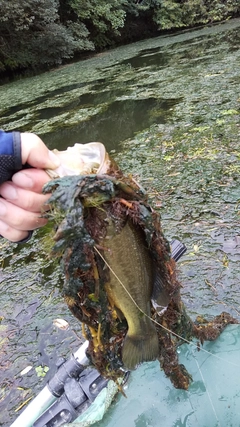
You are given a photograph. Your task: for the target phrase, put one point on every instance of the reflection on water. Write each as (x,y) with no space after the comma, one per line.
(118,121)
(40,99)
(149,58)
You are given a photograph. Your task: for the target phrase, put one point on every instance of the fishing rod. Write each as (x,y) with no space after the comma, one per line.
(74,387)
(67,370)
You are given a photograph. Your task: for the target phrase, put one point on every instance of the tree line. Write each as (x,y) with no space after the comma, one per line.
(38,34)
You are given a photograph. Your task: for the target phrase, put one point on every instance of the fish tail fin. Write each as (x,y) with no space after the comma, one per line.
(140,348)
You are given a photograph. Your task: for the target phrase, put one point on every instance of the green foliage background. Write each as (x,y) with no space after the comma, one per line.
(38,34)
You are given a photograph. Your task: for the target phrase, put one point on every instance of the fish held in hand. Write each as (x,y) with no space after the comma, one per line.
(130,289)
(118,268)
(129,285)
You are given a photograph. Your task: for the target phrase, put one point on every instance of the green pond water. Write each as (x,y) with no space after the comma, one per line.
(168,110)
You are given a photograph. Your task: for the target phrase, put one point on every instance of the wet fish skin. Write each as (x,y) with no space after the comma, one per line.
(130,260)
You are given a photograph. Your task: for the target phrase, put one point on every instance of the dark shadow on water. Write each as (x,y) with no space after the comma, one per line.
(40,99)
(148,58)
(118,122)
(95,98)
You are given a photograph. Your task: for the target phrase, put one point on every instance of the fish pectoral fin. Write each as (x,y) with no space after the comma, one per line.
(111,301)
(138,349)
(160,295)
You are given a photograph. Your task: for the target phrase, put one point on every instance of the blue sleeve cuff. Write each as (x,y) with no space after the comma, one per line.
(10,154)
(6,143)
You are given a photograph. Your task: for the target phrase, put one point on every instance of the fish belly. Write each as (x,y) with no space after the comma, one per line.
(130,289)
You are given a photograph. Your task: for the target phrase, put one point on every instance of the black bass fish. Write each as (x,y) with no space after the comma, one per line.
(130,290)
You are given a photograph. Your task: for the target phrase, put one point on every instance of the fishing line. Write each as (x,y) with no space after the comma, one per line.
(154,321)
(209,396)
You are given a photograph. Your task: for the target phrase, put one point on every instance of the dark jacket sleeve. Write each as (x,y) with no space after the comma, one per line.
(10,160)
(10,154)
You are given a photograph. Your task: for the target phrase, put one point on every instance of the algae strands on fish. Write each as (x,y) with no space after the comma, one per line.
(113,253)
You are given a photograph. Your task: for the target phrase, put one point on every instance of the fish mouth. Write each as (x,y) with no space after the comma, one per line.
(81,159)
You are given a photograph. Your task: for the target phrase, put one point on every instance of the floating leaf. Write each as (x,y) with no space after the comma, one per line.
(61,324)
(196,248)
(41,370)
(26,370)
(225,261)
(229,112)
(200,128)
(23,404)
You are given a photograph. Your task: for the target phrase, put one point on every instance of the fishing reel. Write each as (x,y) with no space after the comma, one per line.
(177,249)
(79,385)
(78,394)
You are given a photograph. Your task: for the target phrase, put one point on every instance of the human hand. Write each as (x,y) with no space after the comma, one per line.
(22,202)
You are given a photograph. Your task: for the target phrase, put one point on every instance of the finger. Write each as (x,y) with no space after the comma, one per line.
(19,218)
(11,233)
(31,179)
(25,199)
(36,154)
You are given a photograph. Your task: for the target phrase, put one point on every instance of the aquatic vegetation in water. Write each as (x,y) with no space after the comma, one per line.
(120,279)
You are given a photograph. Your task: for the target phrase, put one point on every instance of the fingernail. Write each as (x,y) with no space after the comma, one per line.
(24,180)
(3,209)
(10,193)
(54,160)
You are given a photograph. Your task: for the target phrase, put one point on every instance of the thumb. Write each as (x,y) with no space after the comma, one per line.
(36,153)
